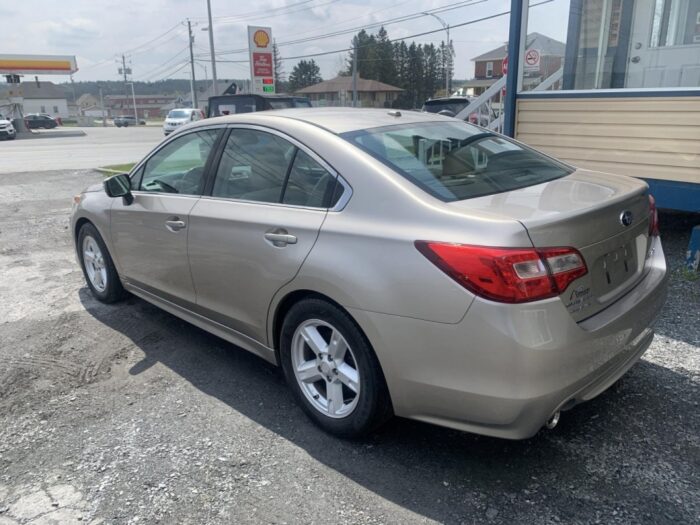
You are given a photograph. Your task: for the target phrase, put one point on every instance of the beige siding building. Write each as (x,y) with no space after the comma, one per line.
(648,137)
(338,92)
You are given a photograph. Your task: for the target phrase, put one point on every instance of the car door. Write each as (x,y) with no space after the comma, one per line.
(251,233)
(150,234)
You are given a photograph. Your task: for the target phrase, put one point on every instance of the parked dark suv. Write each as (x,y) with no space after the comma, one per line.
(33,121)
(248,103)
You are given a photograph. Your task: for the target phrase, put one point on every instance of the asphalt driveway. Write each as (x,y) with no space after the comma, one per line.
(125,414)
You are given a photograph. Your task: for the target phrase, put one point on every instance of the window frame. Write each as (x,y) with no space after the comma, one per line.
(209,186)
(136,173)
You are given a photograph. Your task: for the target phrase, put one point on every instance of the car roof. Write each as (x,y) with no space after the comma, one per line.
(335,120)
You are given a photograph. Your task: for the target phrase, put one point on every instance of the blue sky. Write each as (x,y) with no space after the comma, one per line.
(98,31)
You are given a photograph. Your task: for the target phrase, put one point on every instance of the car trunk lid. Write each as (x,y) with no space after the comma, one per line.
(605,217)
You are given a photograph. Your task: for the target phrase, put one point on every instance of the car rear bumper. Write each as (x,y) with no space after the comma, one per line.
(503,370)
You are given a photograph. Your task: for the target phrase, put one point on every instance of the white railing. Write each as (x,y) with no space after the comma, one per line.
(487,109)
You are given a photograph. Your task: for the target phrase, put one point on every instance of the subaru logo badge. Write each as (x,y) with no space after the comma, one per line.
(626,218)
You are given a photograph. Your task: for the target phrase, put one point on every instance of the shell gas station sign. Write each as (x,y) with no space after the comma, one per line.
(37,65)
(262,69)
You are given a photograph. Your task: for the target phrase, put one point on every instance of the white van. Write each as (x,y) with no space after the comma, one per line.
(178,117)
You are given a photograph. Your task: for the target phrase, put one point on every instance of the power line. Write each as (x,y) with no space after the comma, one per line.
(243,16)
(344,50)
(134,49)
(389,21)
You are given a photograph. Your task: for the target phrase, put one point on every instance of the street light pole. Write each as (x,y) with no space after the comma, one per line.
(211,50)
(133,98)
(448,61)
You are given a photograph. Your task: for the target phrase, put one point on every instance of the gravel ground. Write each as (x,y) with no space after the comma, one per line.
(125,414)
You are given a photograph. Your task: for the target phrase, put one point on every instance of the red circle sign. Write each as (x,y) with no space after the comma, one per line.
(504,67)
(532,57)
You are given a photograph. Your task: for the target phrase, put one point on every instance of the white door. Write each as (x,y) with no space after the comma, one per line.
(664,44)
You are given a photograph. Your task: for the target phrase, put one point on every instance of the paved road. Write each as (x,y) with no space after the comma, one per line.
(100,147)
(113,413)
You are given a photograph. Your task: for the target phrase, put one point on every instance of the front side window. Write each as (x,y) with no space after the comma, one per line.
(178,167)
(253,166)
(455,161)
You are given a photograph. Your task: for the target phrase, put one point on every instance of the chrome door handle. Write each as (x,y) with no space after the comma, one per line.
(175,225)
(280,239)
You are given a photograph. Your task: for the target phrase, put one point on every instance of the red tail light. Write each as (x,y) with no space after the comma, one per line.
(653,217)
(508,275)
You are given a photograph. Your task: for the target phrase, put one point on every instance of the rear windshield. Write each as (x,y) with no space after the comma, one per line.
(455,160)
(178,113)
(231,105)
(280,103)
(436,106)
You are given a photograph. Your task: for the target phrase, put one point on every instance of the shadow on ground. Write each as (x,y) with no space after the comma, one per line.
(615,452)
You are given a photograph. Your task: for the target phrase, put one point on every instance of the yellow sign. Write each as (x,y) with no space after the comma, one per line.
(261,38)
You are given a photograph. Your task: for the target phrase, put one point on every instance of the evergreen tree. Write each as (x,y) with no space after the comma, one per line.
(385,67)
(305,73)
(278,66)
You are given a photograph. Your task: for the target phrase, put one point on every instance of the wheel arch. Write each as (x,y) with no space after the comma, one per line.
(295,296)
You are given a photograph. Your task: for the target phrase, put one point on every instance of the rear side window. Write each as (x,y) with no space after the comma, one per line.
(253,166)
(309,183)
(455,161)
(263,167)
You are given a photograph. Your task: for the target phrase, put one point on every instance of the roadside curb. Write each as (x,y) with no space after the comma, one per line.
(108,171)
(51,134)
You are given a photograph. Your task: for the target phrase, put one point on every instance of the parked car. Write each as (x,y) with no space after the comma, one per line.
(7,130)
(390,262)
(127,120)
(451,107)
(36,121)
(248,103)
(178,117)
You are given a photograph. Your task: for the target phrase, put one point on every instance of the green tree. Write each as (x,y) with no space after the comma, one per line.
(385,66)
(305,73)
(278,68)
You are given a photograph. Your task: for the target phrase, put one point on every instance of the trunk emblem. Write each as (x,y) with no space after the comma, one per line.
(626,218)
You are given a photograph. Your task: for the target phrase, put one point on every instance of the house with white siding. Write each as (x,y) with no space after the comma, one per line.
(44,97)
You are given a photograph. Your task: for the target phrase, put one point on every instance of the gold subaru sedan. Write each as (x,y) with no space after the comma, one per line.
(391,262)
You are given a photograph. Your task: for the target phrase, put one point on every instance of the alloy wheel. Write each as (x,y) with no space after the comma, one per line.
(94,262)
(325,368)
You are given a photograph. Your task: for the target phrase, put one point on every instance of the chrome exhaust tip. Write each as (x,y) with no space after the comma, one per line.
(553,420)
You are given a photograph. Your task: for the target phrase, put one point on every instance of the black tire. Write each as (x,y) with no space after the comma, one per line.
(373,406)
(114,291)
(126,124)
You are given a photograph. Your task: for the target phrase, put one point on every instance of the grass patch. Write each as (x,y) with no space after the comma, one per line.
(121,168)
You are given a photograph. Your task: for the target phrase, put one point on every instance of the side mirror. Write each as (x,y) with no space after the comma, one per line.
(119,186)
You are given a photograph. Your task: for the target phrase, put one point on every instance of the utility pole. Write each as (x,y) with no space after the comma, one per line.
(354,77)
(211,50)
(192,79)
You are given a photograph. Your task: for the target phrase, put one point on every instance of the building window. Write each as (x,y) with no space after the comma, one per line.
(615,44)
(489,69)
(43,109)
(55,109)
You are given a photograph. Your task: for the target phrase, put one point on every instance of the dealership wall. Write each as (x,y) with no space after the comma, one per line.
(648,137)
